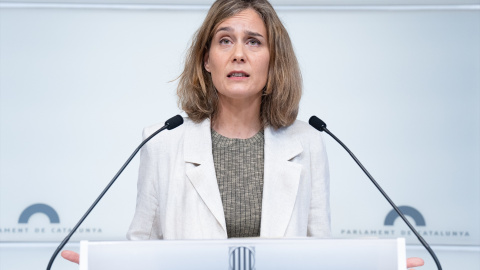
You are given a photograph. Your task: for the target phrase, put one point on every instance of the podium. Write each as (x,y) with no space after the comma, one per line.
(245,254)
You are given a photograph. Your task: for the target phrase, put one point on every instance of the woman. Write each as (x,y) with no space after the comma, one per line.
(241,165)
(264,174)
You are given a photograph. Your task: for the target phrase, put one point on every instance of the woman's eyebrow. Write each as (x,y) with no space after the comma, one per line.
(247,32)
(253,34)
(226,28)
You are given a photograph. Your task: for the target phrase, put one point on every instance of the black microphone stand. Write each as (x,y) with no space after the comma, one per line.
(321,126)
(169,124)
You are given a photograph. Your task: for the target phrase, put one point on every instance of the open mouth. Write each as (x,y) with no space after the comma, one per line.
(237,75)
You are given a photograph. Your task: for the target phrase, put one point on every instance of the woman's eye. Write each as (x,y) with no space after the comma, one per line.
(224,41)
(254,42)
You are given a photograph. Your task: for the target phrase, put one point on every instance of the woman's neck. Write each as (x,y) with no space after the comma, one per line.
(238,119)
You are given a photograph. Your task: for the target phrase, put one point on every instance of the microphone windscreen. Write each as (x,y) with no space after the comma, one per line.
(174,122)
(317,123)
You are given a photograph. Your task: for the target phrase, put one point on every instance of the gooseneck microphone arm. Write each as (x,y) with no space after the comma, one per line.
(321,126)
(169,124)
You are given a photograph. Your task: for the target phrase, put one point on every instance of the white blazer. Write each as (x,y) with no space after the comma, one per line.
(178,195)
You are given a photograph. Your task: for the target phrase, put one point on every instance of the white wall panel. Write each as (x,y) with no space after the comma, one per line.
(401,88)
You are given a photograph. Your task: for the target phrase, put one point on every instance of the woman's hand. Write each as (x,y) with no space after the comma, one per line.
(71,256)
(411,262)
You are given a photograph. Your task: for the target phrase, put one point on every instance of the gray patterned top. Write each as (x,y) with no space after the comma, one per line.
(239,169)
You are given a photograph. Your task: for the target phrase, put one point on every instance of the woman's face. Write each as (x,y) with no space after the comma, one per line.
(238,57)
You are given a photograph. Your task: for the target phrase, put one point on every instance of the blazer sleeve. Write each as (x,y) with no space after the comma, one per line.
(146,222)
(319,215)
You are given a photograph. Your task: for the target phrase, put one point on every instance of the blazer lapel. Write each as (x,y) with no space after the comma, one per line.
(281,180)
(198,151)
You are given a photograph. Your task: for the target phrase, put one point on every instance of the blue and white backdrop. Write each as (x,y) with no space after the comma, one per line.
(398,81)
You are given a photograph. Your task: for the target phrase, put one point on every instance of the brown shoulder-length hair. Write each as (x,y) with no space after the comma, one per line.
(281,96)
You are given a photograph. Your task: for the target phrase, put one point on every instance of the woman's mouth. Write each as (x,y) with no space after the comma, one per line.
(237,75)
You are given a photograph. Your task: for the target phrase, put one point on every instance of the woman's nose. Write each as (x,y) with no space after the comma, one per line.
(238,53)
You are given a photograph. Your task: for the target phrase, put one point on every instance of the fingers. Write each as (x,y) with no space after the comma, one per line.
(414,262)
(71,256)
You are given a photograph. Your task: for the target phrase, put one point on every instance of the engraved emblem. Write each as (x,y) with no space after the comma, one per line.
(242,258)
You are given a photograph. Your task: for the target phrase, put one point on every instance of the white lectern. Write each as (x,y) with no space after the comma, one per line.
(245,254)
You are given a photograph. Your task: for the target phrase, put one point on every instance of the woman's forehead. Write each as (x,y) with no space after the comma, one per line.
(249,17)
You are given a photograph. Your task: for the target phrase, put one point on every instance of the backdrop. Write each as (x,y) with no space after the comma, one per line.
(399,84)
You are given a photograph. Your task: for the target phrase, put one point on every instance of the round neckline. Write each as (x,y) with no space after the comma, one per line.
(221,140)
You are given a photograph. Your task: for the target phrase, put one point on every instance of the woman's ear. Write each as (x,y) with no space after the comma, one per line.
(205,62)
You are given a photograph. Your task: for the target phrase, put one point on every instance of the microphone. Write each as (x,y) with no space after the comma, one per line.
(318,124)
(169,124)
(174,122)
